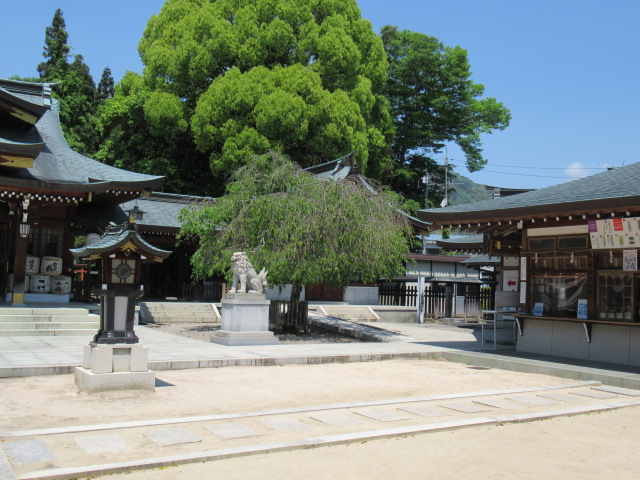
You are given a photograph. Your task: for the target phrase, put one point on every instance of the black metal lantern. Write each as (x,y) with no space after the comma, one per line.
(135,214)
(25,228)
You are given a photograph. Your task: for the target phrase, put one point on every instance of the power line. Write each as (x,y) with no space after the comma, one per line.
(458,163)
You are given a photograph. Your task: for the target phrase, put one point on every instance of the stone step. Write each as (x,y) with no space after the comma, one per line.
(43,311)
(177,310)
(67,332)
(184,312)
(48,325)
(350,312)
(185,319)
(48,318)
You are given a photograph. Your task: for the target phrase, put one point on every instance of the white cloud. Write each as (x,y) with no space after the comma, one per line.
(576,170)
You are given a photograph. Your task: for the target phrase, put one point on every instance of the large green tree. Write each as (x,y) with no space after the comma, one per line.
(434,102)
(56,50)
(301,78)
(76,90)
(301,229)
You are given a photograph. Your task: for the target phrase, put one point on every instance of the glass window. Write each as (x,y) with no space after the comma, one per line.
(572,242)
(542,243)
(559,294)
(615,297)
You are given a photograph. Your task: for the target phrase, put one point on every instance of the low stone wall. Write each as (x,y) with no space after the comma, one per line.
(609,343)
(396,314)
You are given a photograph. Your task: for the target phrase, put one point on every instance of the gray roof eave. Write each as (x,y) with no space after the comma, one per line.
(37,110)
(439,217)
(110,243)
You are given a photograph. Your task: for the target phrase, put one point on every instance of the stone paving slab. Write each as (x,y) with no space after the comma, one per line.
(6,472)
(424,411)
(336,419)
(233,430)
(285,424)
(594,394)
(381,414)
(101,443)
(171,436)
(496,403)
(618,390)
(465,407)
(27,451)
(562,397)
(537,401)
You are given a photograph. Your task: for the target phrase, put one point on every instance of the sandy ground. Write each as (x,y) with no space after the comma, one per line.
(596,446)
(53,401)
(588,446)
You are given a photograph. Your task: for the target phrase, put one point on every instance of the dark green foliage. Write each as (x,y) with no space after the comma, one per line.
(56,50)
(240,78)
(145,132)
(433,101)
(76,89)
(106,86)
(301,229)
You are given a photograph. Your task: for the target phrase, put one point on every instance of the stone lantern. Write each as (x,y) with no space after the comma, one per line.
(115,349)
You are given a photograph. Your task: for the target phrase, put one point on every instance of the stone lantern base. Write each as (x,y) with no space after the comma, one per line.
(114,367)
(245,321)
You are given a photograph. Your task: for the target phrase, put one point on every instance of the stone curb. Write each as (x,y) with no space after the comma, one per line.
(286,411)
(315,442)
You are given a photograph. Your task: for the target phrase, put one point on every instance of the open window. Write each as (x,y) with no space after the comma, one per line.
(559,293)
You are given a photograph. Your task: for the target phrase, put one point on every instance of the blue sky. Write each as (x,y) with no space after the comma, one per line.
(567,69)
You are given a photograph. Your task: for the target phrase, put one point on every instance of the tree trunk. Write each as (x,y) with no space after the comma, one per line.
(296,290)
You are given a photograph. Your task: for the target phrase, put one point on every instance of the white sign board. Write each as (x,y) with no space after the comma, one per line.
(510,281)
(615,233)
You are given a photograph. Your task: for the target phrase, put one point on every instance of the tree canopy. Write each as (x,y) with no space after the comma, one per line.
(433,102)
(76,88)
(301,78)
(301,229)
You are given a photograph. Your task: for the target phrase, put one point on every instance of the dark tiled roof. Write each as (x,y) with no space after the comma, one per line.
(429,257)
(337,169)
(113,240)
(615,187)
(58,167)
(481,260)
(161,209)
(461,241)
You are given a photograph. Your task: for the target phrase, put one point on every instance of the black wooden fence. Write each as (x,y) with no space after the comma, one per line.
(285,315)
(397,294)
(203,292)
(476,298)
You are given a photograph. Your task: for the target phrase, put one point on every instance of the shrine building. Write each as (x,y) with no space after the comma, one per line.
(45,187)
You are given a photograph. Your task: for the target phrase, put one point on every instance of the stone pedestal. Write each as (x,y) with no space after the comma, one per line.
(107,367)
(245,321)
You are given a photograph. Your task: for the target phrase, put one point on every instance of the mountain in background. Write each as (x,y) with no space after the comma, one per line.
(467,191)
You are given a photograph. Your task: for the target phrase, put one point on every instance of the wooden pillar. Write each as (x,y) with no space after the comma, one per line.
(19,266)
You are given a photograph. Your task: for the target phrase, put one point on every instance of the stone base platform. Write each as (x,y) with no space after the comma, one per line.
(89,382)
(117,366)
(230,339)
(245,321)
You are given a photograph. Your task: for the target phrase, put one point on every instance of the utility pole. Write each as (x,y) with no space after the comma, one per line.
(445,202)
(425,181)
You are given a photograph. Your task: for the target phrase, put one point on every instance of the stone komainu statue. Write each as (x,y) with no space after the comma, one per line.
(244,272)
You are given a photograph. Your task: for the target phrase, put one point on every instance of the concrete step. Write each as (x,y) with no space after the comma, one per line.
(350,312)
(47,325)
(48,318)
(184,312)
(185,319)
(65,332)
(43,311)
(47,322)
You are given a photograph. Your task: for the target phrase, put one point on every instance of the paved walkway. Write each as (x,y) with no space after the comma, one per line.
(71,450)
(26,356)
